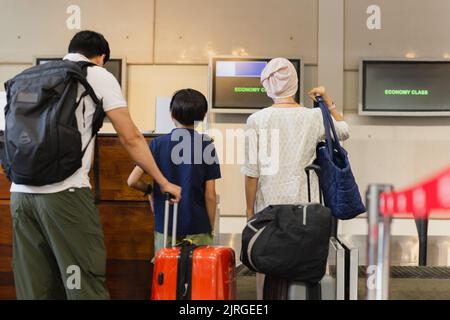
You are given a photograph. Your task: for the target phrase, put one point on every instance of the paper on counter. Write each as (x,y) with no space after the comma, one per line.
(2,109)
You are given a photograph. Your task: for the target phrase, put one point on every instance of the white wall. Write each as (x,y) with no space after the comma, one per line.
(167,43)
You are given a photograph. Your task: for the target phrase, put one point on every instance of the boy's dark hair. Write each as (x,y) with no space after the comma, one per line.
(90,44)
(188,106)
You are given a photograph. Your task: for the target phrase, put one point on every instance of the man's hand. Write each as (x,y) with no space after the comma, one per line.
(173,190)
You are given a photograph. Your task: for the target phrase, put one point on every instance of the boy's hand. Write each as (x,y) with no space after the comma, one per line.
(174,190)
(150,200)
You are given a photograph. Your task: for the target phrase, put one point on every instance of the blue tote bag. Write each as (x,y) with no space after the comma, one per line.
(340,191)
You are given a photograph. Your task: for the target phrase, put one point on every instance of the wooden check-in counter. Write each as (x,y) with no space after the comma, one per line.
(127,224)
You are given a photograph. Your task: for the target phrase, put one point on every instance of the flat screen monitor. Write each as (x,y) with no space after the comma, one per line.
(404,88)
(235,85)
(117,66)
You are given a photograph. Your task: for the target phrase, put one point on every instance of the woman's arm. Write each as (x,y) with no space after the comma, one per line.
(251,167)
(211,201)
(320,91)
(341,126)
(251,186)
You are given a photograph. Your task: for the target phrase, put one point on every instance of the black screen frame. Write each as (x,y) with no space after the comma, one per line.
(363,110)
(214,60)
(39,60)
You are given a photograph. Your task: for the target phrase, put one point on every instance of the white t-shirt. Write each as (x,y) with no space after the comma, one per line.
(107,88)
(298,131)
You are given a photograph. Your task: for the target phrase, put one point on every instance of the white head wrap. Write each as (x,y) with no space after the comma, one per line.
(279,78)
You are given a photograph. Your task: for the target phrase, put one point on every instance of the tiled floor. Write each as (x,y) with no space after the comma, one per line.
(246,288)
(401,289)
(414,289)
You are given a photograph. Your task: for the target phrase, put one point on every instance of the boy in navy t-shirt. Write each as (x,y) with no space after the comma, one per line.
(189,160)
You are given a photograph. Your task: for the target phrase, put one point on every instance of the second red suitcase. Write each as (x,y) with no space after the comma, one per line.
(189,272)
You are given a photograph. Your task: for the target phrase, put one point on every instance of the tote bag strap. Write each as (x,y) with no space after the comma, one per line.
(331,137)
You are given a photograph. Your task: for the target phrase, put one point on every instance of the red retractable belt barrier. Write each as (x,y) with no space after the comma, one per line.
(421,199)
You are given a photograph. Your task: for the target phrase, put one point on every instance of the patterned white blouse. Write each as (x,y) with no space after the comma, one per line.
(280,143)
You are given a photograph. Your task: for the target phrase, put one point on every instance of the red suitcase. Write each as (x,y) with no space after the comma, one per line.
(188,272)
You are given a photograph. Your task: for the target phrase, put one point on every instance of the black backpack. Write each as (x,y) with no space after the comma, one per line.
(41,143)
(288,242)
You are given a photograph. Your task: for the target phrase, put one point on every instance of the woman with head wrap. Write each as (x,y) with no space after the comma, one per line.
(281,142)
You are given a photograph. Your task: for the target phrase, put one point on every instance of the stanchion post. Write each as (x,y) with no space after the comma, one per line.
(216,239)
(377,282)
(422,230)
(384,261)
(372,241)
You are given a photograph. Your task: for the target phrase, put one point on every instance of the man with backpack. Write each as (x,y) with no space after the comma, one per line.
(53,113)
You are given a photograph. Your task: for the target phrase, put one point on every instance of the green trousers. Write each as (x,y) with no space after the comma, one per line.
(58,246)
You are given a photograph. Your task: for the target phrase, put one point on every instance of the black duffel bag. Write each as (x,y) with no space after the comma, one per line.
(288,242)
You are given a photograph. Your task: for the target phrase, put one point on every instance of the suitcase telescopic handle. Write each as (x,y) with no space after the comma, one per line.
(316,169)
(166,221)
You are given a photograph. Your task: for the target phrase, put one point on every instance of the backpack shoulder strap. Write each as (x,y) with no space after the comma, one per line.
(99,113)
(83,66)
